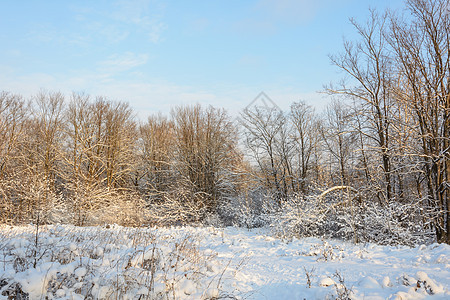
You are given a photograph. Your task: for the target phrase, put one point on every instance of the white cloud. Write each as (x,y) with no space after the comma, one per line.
(113,33)
(43,33)
(117,20)
(148,96)
(155,32)
(123,62)
(145,14)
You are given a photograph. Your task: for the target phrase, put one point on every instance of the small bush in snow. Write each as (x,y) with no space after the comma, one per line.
(356,220)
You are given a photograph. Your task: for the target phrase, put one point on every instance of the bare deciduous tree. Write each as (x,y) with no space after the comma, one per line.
(157,150)
(338,138)
(369,66)
(306,139)
(205,152)
(262,129)
(13,114)
(99,154)
(422,48)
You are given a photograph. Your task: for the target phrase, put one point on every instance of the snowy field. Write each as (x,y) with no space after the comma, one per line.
(113,262)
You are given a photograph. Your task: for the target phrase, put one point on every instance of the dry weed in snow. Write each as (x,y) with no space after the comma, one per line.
(69,262)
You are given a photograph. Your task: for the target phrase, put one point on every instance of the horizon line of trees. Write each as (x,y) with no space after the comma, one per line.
(386,135)
(87,153)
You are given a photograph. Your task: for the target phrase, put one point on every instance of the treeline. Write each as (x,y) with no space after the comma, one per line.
(85,155)
(381,145)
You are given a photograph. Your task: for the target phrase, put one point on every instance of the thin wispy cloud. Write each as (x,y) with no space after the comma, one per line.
(155,32)
(123,62)
(114,33)
(145,14)
(118,20)
(149,96)
(43,33)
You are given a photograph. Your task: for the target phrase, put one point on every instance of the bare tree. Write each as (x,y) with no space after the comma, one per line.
(306,137)
(262,129)
(205,152)
(338,138)
(285,152)
(13,114)
(370,68)
(48,135)
(157,141)
(120,141)
(422,48)
(99,155)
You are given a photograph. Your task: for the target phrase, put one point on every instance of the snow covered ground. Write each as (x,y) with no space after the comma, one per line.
(113,262)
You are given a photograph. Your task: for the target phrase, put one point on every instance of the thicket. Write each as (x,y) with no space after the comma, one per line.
(373,167)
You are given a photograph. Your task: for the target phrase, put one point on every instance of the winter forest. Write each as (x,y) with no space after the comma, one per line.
(380,150)
(373,167)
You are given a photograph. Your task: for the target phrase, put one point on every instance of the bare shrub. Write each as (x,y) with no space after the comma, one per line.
(350,219)
(177,208)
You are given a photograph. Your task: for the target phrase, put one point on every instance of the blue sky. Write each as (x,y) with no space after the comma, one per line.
(156,54)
